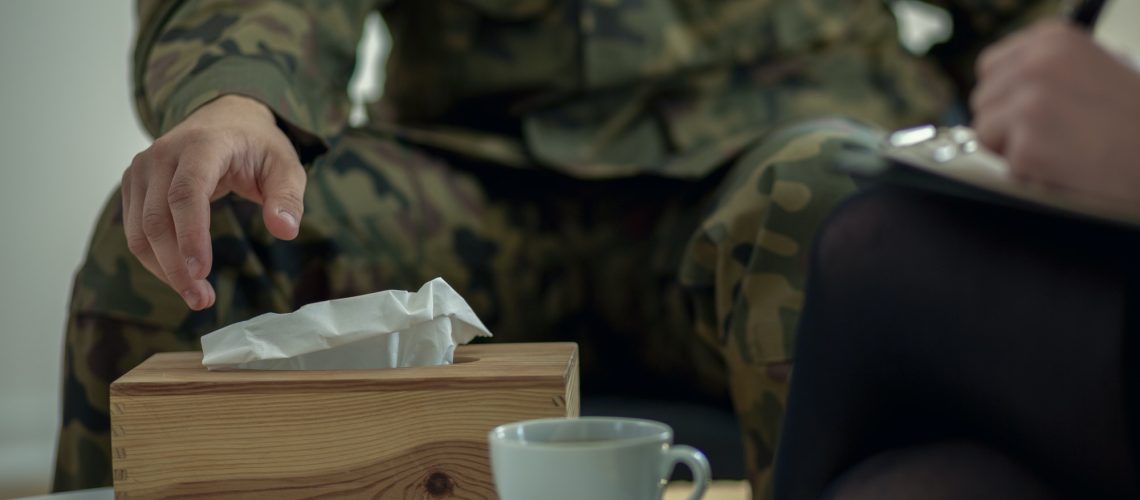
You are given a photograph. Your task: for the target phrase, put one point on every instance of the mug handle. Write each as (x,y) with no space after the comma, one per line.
(696,462)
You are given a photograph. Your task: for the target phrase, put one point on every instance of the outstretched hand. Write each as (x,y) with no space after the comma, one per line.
(230,145)
(1062,110)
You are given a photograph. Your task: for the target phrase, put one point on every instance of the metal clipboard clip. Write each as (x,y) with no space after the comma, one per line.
(941,144)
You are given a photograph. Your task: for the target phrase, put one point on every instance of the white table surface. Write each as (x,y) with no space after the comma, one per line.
(95,494)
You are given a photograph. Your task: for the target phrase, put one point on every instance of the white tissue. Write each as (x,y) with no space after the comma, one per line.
(386,329)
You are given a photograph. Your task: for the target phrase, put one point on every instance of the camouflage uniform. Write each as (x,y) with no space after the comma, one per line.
(617,173)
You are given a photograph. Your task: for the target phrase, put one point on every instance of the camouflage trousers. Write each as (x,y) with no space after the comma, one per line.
(676,288)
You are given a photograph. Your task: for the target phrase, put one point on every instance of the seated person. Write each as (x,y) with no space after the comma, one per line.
(955,349)
(613,173)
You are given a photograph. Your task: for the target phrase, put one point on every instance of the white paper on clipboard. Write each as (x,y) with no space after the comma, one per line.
(954,153)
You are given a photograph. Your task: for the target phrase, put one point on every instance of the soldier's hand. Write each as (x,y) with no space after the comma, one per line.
(231,145)
(1062,110)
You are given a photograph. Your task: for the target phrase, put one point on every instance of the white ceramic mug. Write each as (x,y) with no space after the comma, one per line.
(594,458)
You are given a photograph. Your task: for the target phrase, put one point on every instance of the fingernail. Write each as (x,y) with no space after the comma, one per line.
(193,266)
(191,297)
(287,217)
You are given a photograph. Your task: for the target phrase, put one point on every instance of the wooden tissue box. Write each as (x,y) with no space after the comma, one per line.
(180,430)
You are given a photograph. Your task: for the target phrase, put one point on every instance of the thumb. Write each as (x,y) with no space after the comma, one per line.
(283,190)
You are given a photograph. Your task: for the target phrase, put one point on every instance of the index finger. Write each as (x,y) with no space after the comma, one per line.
(189,197)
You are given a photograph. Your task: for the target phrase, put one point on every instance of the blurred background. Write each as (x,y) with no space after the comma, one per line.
(67,131)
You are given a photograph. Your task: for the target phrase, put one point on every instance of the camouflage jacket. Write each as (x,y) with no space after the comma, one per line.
(594,88)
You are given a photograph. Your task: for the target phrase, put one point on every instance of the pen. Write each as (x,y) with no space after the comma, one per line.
(1084,13)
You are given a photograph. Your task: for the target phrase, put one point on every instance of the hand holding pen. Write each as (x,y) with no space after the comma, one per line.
(1060,108)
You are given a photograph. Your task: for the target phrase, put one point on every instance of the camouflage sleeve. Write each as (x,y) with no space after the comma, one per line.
(295,56)
(979,23)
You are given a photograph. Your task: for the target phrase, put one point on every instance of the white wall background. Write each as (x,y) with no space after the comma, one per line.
(66,132)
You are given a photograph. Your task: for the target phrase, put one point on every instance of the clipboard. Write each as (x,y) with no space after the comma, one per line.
(951,161)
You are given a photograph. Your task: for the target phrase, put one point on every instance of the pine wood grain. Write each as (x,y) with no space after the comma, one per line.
(718,490)
(179,430)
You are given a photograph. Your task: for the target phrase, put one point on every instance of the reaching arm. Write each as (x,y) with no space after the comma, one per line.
(239,96)
(296,57)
